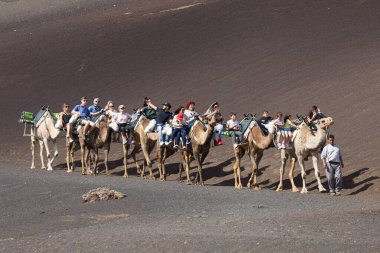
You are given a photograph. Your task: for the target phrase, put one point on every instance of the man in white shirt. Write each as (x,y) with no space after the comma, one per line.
(234,126)
(333,163)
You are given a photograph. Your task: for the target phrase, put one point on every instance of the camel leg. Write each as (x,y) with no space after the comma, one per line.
(96,160)
(83,157)
(237,171)
(283,164)
(187,168)
(199,165)
(255,169)
(106,152)
(291,174)
(125,160)
(49,158)
(32,148)
(303,173)
(317,172)
(42,154)
(68,156)
(148,162)
(181,158)
(55,148)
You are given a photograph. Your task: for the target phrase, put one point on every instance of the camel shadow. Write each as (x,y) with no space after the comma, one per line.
(244,180)
(363,185)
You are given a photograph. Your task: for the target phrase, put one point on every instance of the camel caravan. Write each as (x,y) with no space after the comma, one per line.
(183,132)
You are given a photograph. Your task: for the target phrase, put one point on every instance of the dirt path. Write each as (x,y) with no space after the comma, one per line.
(43,212)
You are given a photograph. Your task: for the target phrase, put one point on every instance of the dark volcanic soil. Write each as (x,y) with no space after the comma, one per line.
(249,55)
(43,212)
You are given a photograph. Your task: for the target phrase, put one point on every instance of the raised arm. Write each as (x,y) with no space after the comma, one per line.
(152,105)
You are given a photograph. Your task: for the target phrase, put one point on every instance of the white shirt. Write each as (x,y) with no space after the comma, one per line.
(190,115)
(122,118)
(175,121)
(331,153)
(113,114)
(232,124)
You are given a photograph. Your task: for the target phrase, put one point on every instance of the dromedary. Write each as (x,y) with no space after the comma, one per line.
(256,143)
(143,142)
(305,143)
(201,137)
(45,132)
(98,137)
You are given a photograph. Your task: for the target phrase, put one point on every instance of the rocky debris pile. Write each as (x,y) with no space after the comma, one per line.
(101,193)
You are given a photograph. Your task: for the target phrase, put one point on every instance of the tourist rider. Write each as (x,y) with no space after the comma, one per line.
(279,124)
(79,112)
(163,116)
(63,117)
(234,126)
(333,164)
(122,120)
(211,111)
(265,119)
(151,114)
(180,127)
(190,113)
(95,110)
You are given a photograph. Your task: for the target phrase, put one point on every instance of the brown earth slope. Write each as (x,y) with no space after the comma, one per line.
(248,55)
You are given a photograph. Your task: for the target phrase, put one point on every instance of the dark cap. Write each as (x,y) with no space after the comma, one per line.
(167,104)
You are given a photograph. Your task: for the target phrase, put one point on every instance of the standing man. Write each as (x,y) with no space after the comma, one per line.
(333,164)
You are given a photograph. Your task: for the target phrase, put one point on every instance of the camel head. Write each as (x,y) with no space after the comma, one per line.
(325,122)
(215,119)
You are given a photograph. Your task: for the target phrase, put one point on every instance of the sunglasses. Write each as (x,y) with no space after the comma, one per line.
(122,108)
(66,106)
(111,106)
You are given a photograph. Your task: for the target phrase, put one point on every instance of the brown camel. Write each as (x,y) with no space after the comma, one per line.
(285,154)
(44,132)
(98,137)
(200,144)
(256,143)
(143,142)
(306,142)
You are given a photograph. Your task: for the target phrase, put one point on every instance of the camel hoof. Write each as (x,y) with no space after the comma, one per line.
(43,168)
(152,178)
(279,189)
(69,171)
(249,185)
(295,190)
(257,188)
(33,167)
(49,169)
(303,191)
(126,175)
(322,189)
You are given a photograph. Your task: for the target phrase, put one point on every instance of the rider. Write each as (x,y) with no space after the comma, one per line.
(63,117)
(179,127)
(233,126)
(163,116)
(95,110)
(265,119)
(79,112)
(122,119)
(150,113)
(190,113)
(212,110)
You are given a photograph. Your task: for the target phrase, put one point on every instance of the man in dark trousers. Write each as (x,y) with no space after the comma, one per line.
(333,164)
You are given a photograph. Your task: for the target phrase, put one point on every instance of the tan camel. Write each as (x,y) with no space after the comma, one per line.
(98,137)
(200,141)
(45,132)
(143,142)
(256,143)
(306,142)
